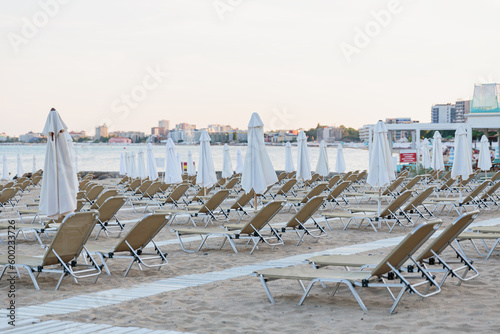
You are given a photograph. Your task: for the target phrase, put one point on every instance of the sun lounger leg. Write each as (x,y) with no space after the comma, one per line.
(33,279)
(266,288)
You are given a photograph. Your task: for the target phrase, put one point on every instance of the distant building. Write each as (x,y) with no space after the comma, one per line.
(219,128)
(164,124)
(135,136)
(330,134)
(120,140)
(101,131)
(400,134)
(186,136)
(159,131)
(443,113)
(31,137)
(77,134)
(185,126)
(364,133)
(241,136)
(3,136)
(462,108)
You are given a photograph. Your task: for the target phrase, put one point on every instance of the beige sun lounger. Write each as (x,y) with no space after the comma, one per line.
(62,254)
(131,245)
(386,274)
(250,231)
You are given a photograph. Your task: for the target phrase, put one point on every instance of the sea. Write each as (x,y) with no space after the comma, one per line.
(106,157)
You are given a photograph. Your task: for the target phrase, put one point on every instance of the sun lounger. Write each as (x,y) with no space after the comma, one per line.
(385,274)
(471,199)
(371,216)
(300,224)
(62,254)
(206,211)
(250,231)
(103,197)
(240,204)
(131,245)
(430,258)
(285,188)
(107,212)
(7,197)
(298,201)
(482,234)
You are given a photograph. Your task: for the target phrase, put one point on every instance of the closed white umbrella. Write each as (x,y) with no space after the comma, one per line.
(227,168)
(76,157)
(426,155)
(152,171)
(128,166)
(33,170)
(172,168)
(303,162)
(340,162)
(59,182)
(123,169)
(206,172)
(288,158)
(20,169)
(133,166)
(484,160)
(141,165)
(179,162)
(462,164)
(381,169)
(191,170)
(437,161)
(258,171)
(5,170)
(322,167)
(239,163)
(452,155)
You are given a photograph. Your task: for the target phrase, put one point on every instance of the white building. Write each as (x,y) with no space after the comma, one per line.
(443,113)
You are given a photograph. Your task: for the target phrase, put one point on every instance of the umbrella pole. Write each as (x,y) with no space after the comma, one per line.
(379,196)
(255,199)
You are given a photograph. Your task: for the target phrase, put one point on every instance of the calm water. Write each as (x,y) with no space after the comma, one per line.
(107,157)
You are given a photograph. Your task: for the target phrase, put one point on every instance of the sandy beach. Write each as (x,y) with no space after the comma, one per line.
(230,300)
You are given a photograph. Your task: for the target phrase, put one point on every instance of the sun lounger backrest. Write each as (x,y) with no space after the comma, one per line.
(178,192)
(394,185)
(395,204)
(337,191)
(153,188)
(242,200)
(286,187)
(214,201)
(7,194)
(413,182)
(306,211)
(333,180)
(142,232)
(282,176)
(70,237)
(104,196)
(262,217)
(406,248)
(417,200)
(448,235)
(316,191)
(143,187)
(491,190)
(110,207)
(447,184)
(231,183)
(94,192)
(476,191)
(495,176)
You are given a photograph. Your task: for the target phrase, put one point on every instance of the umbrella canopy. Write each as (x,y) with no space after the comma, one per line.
(288,158)
(123,169)
(227,168)
(76,156)
(239,163)
(340,162)
(426,155)
(484,161)
(141,165)
(179,162)
(206,172)
(437,162)
(20,169)
(303,162)
(151,171)
(258,171)
(322,167)
(462,164)
(191,170)
(33,170)
(128,165)
(381,169)
(59,182)
(5,170)
(133,166)
(172,167)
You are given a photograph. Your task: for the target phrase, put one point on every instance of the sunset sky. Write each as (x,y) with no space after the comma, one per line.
(130,63)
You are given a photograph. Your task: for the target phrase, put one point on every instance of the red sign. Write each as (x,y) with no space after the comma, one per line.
(408,157)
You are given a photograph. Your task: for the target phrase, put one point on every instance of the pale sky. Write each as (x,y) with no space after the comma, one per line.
(217,61)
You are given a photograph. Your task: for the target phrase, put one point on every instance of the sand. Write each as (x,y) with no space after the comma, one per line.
(240,304)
